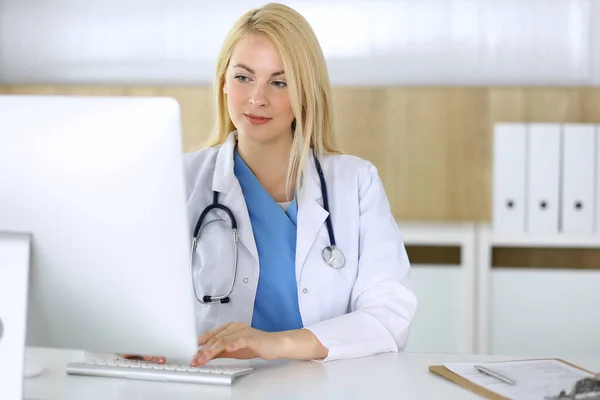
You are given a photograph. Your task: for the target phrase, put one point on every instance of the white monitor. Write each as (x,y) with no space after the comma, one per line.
(99,184)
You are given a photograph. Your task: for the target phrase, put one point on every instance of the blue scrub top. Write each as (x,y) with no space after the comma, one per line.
(276,303)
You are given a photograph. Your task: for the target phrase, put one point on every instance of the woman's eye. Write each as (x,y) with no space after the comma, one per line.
(280,84)
(241,78)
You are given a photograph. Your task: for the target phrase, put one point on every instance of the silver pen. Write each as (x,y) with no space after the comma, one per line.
(487,371)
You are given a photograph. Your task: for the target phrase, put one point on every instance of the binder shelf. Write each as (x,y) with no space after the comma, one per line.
(546,181)
(562,240)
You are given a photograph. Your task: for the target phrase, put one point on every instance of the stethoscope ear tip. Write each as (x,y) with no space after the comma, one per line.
(209,299)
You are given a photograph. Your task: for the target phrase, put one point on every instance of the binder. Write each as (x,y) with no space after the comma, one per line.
(509,166)
(543,178)
(578,186)
(597,208)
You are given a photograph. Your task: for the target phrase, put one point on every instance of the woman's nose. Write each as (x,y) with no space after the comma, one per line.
(258,97)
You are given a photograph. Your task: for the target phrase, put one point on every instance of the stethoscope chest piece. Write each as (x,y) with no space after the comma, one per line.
(334,257)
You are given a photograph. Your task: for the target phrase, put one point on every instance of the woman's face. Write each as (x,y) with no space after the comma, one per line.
(257,94)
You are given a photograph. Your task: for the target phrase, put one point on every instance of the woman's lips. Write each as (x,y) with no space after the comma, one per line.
(257,120)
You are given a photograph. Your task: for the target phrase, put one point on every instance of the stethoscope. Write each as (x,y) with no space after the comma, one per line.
(331,254)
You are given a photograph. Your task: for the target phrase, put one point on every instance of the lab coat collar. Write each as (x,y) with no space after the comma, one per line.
(224,181)
(311,215)
(311,186)
(224,175)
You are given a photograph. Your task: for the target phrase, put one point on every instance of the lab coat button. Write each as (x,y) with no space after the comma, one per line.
(305,290)
(245,280)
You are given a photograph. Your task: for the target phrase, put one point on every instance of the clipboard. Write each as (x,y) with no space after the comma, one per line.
(444,372)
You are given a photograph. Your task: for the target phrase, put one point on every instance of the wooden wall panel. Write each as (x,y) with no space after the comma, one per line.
(432,146)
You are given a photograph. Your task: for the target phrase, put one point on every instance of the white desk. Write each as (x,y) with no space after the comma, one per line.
(384,376)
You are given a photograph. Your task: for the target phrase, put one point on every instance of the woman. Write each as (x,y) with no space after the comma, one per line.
(274,129)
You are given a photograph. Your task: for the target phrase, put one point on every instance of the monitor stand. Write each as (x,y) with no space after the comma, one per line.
(14,282)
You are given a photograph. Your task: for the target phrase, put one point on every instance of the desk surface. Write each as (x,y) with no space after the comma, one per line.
(378,377)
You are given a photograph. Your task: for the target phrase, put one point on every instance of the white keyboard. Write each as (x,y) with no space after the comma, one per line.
(133,369)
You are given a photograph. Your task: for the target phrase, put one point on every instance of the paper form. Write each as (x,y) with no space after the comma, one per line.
(535,379)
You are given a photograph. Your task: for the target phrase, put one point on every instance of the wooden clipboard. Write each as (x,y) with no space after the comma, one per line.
(467,384)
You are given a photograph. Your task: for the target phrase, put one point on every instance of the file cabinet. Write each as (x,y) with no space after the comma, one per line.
(478,306)
(537,309)
(444,321)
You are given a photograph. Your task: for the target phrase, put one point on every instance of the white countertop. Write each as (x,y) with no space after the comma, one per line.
(402,375)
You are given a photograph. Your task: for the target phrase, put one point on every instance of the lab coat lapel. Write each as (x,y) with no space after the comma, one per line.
(311,215)
(225,182)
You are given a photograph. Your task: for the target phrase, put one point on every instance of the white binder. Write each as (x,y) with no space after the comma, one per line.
(597,210)
(578,186)
(543,178)
(508,198)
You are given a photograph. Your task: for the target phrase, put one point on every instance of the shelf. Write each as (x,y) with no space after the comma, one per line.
(505,239)
(436,233)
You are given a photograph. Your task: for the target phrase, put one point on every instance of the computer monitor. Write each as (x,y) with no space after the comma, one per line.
(99,184)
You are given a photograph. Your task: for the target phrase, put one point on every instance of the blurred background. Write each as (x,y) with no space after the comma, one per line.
(465,106)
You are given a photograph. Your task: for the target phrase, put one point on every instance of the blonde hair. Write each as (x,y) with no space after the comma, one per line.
(306,76)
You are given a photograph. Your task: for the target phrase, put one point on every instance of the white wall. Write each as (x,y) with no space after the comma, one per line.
(595,37)
(378,42)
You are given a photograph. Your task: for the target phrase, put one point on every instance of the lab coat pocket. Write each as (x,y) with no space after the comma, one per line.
(341,288)
(334,284)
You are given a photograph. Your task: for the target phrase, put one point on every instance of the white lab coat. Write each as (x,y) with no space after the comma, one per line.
(364,308)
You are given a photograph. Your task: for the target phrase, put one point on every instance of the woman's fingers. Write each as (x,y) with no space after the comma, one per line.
(205,337)
(226,345)
(156,359)
(131,356)
(231,329)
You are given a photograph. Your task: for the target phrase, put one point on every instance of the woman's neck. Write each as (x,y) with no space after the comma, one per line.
(269,163)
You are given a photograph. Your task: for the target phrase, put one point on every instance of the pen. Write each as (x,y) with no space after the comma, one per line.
(487,371)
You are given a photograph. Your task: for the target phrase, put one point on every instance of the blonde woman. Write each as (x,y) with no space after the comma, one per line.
(319,271)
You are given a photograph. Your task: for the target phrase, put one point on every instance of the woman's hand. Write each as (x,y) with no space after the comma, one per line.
(237,340)
(156,359)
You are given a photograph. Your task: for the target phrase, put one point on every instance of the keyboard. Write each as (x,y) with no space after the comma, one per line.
(143,370)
